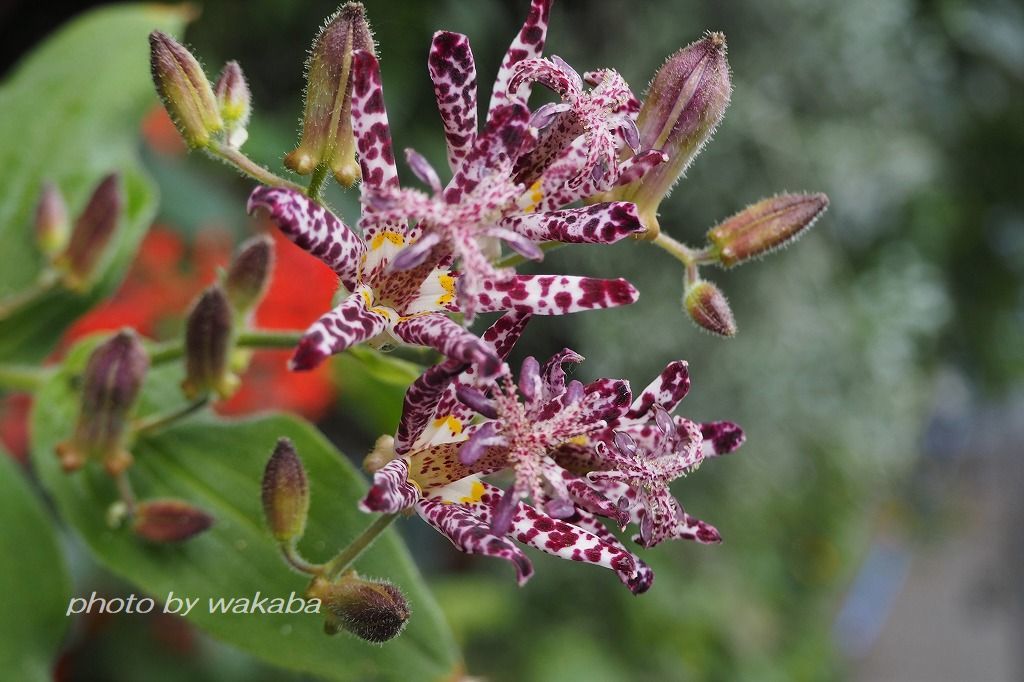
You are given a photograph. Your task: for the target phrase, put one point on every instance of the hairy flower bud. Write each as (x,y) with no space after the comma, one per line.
(110,386)
(706,305)
(93,230)
(249,274)
(166,521)
(327,137)
(208,333)
(685,102)
(373,610)
(234,103)
(285,493)
(184,89)
(764,226)
(52,225)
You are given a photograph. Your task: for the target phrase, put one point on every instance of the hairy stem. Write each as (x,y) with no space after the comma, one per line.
(297,561)
(316,182)
(347,556)
(22,377)
(243,163)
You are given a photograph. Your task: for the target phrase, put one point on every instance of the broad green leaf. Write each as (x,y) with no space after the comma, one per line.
(373,385)
(33,580)
(71,113)
(218,466)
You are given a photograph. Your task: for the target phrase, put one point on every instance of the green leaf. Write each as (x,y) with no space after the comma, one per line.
(218,465)
(33,580)
(72,110)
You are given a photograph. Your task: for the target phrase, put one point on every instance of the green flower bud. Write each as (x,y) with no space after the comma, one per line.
(169,521)
(208,338)
(707,306)
(285,493)
(52,224)
(249,274)
(93,231)
(373,610)
(765,226)
(684,103)
(110,386)
(327,137)
(234,102)
(184,89)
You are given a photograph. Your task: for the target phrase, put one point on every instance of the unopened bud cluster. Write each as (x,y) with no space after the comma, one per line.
(372,610)
(75,251)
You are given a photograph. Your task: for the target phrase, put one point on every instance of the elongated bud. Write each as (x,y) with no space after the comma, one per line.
(685,102)
(184,89)
(110,386)
(249,275)
(52,224)
(382,453)
(208,339)
(285,493)
(373,610)
(93,231)
(764,226)
(168,521)
(707,306)
(327,137)
(234,103)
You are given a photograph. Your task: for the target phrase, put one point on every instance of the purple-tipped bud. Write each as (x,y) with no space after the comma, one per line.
(707,306)
(93,230)
(684,103)
(764,226)
(327,137)
(208,332)
(285,493)
(184,89)
(52,224)
(372,610)
(169,521)
(249,274)
(110,386)
(474,399)
(234,102)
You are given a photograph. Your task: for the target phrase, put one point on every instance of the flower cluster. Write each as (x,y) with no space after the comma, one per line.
(421,264)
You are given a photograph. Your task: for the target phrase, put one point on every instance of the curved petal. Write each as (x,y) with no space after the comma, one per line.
(313,228)
(721,438)
(473,536)
(528,44)
(438,331)
(604,223)
(667,390)
(391,490)
(453,72)
(555,294)
(421,401)
(351,322)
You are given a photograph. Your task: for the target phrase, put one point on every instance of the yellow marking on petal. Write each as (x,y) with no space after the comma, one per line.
(447,283)
(453,423)
(403,318)
(536,195)
(367,298)
(386,235)
(475,495)
(578,440)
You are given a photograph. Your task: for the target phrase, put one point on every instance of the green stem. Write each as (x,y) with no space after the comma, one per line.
(44,285)
(173,350)
(346,557)
(164,420)
(297,561)
(514,259)
(22,378)
(243,163)
(316,181)
(676,249)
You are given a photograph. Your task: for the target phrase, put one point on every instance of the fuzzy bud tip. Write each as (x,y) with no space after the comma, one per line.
(169,521)
(285,493)
(708,308)
(208,333)
(765,226)
(373,610)
(184,90)
(249,275)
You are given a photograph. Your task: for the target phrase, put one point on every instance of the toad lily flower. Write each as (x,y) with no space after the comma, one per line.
(643,449)
(603,117)
(386,305)
(429,472)
(482,205)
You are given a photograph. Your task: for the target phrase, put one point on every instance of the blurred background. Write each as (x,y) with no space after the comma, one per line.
(873,522)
